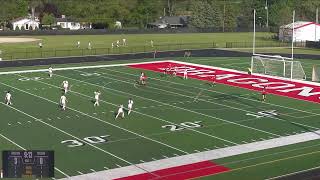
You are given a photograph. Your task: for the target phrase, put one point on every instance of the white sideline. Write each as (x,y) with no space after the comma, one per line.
(199,157)
(79,67)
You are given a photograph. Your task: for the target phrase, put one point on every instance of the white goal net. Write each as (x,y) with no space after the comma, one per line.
(277,66)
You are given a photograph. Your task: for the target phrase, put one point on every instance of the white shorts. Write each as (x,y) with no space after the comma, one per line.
(63,103)
(130,106)
(120,111)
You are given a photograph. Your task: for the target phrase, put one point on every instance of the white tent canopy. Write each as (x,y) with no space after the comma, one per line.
(303,31)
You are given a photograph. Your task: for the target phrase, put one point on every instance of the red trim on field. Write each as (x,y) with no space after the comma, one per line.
(307,24)
(282,87)
(181,172)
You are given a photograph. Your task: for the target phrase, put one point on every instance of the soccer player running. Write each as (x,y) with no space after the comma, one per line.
(130,104)
(8,98)
(97,98)
(213,80)
(63,102)
(120,112)
(50,70)
(143,79)
(185,74)
(264,94)
(65,85)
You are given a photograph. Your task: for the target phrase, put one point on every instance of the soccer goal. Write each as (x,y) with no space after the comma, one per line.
(277,66)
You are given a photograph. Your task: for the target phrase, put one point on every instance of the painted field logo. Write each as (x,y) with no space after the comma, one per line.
(261,114)
(302,90)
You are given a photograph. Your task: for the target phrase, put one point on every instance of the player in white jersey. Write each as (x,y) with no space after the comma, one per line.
(63,102)
(120,111)
(8,98)
(50,70)
(185,74)
(96,98)
(65,85)
(130,104)
(175,71)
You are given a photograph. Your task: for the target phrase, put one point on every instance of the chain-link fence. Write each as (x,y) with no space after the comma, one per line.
(48,53)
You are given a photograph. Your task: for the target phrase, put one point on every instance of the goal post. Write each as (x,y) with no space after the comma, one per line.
(277,66)
(315,73)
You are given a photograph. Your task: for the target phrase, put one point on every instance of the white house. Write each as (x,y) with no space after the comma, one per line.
(303,31)
(26,22)
(67,23)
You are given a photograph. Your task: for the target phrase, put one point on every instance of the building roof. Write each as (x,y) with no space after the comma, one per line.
(173,20)
(298,24)
(24,20)
(65,20)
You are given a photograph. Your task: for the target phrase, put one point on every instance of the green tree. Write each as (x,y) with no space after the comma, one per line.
(229,14)
(281,13)
(205,15)
(306,9)
(48,19)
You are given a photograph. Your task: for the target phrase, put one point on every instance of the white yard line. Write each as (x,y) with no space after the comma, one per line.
(100,121)
(203,156)
(66,133)
(227,94)
(195,112)
(216,137)
(16,144)
(221,92)
(79,67)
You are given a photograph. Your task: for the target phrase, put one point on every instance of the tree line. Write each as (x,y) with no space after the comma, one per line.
(138,13)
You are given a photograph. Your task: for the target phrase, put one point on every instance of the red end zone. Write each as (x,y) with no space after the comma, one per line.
(294,89)
(181,172)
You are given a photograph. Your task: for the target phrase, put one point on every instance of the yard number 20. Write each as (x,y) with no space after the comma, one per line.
(182,126)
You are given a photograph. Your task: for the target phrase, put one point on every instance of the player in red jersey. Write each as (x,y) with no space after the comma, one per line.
(143,78)
(213,80)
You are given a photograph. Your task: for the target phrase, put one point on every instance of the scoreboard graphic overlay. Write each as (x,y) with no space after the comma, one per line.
(28,164)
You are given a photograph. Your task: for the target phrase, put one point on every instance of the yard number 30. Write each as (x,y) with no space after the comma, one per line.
(90,140)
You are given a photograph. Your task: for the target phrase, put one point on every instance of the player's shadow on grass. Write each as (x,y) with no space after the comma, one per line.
(125,111)
(93,101)
(235,97)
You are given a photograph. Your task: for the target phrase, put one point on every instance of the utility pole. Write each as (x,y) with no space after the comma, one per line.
(316,26)
(267,9)
(224,14)
(317,15)
(169,8)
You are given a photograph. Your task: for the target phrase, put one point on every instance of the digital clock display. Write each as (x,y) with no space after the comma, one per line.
(28,164)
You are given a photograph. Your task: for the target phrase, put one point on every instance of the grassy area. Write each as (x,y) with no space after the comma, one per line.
(37,123)
(55,46)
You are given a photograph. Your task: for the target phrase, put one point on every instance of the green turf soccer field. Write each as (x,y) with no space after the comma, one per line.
(174,121)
